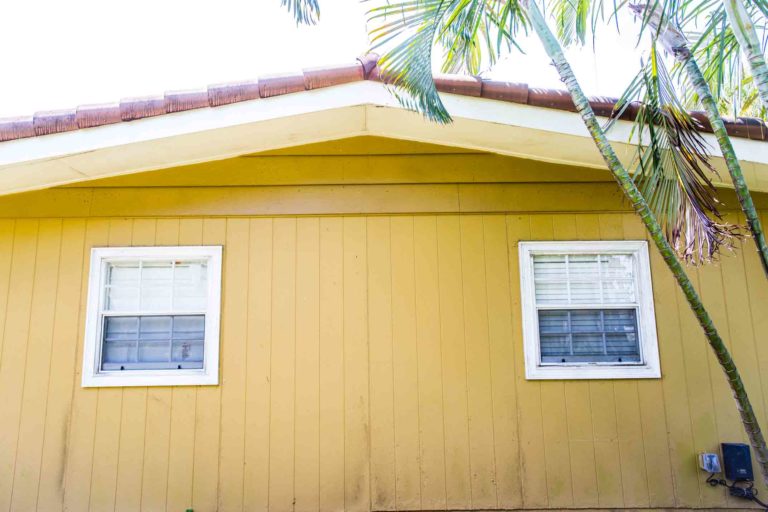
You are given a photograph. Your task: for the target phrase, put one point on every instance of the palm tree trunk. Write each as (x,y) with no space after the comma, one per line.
(744,30)
(731,161)
(640,206)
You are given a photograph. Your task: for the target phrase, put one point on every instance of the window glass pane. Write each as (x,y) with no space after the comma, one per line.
(553,322)
(156,285)
(589,336)
(153,342)
(549,274)
(620,320)
(585,321)
(623,345)
(555,346)
(190,288)
(586,292)
(120,338)
(122,293)
(188,335)
(552,292)
(548,266)
(584,279)
(583,266)
(618,292)
(154,336)
(617,266)
(590,345)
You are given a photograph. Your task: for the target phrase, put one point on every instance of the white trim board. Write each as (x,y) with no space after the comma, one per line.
(649,368)
(93,376)
(349,110)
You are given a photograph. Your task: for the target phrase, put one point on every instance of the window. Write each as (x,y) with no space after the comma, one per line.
(588,310)
(153,316)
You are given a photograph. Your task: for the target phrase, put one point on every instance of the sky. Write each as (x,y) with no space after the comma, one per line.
(60,54)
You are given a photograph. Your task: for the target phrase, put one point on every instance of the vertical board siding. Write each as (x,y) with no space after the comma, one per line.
(367,363)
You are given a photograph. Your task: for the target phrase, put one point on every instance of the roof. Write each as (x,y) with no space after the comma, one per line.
(364,68)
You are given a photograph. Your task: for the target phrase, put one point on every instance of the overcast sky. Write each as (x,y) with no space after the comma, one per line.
(59,54)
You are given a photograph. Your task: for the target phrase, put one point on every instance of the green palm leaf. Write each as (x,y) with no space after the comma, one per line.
(305,12)
(717,50)
(469,32)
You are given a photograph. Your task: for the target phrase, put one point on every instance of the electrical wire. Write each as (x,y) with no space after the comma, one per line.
(748,493)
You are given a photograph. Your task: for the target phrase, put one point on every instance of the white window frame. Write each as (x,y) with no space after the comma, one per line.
(93,376)
(648,368)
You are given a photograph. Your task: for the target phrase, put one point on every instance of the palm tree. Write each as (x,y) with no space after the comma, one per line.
(743,29)
(674,41)
(414,27)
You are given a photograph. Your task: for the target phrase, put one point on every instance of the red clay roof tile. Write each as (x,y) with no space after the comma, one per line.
(139,108)
(277,85)
(368,61)
(176,101)
(365,68)
(459,84)
(317,78)
(602,106)
(54,121)
(235,92)
(505,91)
(16,128)
(89,116)
(551,98)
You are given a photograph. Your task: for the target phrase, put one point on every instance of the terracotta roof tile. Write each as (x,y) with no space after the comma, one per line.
(88,116)
(277,85)
(235,92)
(368,61)
(459,84)
(379,75)
(365,68)
(317,78)
(139,108)
(505,91)
(602,106)
(16,128)
(54,121)
(551,98)
(176,101)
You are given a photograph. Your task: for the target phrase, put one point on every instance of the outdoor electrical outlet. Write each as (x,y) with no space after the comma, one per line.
(709,462)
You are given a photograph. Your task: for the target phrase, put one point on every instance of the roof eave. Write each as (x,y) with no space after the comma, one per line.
(333,112)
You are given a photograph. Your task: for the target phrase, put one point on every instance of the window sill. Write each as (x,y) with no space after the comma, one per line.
(154,378)
(591,372)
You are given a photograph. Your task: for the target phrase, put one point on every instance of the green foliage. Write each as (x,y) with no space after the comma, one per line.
(715,47)
(305,12)
(466,31)
(671,165)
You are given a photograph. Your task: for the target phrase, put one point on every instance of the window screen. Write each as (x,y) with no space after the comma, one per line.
(587,308)
(153,315)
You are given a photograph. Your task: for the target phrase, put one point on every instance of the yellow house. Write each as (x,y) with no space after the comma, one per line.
(293,294)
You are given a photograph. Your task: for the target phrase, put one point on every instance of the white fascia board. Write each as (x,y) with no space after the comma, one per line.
(570,123)
(185,122)
(359,108)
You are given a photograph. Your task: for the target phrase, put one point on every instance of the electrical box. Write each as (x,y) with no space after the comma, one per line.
(737,462)
(709,462)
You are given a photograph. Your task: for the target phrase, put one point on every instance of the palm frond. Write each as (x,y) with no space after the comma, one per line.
(408,64)
(305,12)
(575,19)
(717,50)
(671,166)
(469,32)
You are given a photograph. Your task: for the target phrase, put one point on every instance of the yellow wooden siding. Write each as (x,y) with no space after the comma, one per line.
(367,363)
